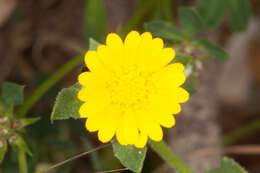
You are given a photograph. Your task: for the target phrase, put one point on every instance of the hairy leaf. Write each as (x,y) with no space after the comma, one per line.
(67,104)
(129,156)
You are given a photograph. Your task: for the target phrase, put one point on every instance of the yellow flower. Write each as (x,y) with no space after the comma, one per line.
(131,89)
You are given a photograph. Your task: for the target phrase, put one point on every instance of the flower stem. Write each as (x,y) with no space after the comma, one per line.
(72,158)
(22,161)
(162,149)
(38,93)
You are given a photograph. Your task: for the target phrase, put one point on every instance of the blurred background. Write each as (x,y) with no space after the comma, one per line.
(223,117)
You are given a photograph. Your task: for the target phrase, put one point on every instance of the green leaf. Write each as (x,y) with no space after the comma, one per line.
(3,149)
(165,30)
(190,21)
(189,88)
(182,58)
(67,104)
(93,44)
(240,12)
(213,49)
(20,143)
(211,12)
(129,156)
(95,20)
(228,166)
(28,121)
(12,94)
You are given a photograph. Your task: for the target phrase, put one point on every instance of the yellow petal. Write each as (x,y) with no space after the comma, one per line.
(110,124)
(93,63)
(141,141)
(83,110)
(148,125)
(111,55)
(130,129)
(169,78)
(178,67)
(82,94)
(163,103)
(93,79)
(106,133)
(166,56)
(93,124)
(120,133)
(113,40)
(167,120)
(155,132)
(181,95)
(148,51)
(176,108)
(131,44)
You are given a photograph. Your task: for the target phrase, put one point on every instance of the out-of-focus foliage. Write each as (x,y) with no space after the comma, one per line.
(228,166)
(165,30)
(12,94)
(11,126)
(190,21)
(95,20)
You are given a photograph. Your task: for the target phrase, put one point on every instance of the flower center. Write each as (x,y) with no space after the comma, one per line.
(130,89)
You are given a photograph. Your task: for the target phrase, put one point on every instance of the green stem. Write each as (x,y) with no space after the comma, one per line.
(72,158)
(38,93)
(240,132)
(139,14)
(165,152)
(22,161)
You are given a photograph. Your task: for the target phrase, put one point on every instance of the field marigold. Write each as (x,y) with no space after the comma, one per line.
(131,89)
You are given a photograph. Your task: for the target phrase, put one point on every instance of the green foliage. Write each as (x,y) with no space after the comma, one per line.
(129,156)
(67,104)
(213,49)
(190,21)
(12,94)
(3,149)
(228,166)
(189,88)
(239,14)
(164,10)
(95,20)
(165,30)
(93,44)
(28,121)
(21,144)
(211,12)
(182,58)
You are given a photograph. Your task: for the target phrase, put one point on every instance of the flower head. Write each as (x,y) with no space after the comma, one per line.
(131,91)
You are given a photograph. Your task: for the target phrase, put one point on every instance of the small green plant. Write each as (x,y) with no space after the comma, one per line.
(191,49)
